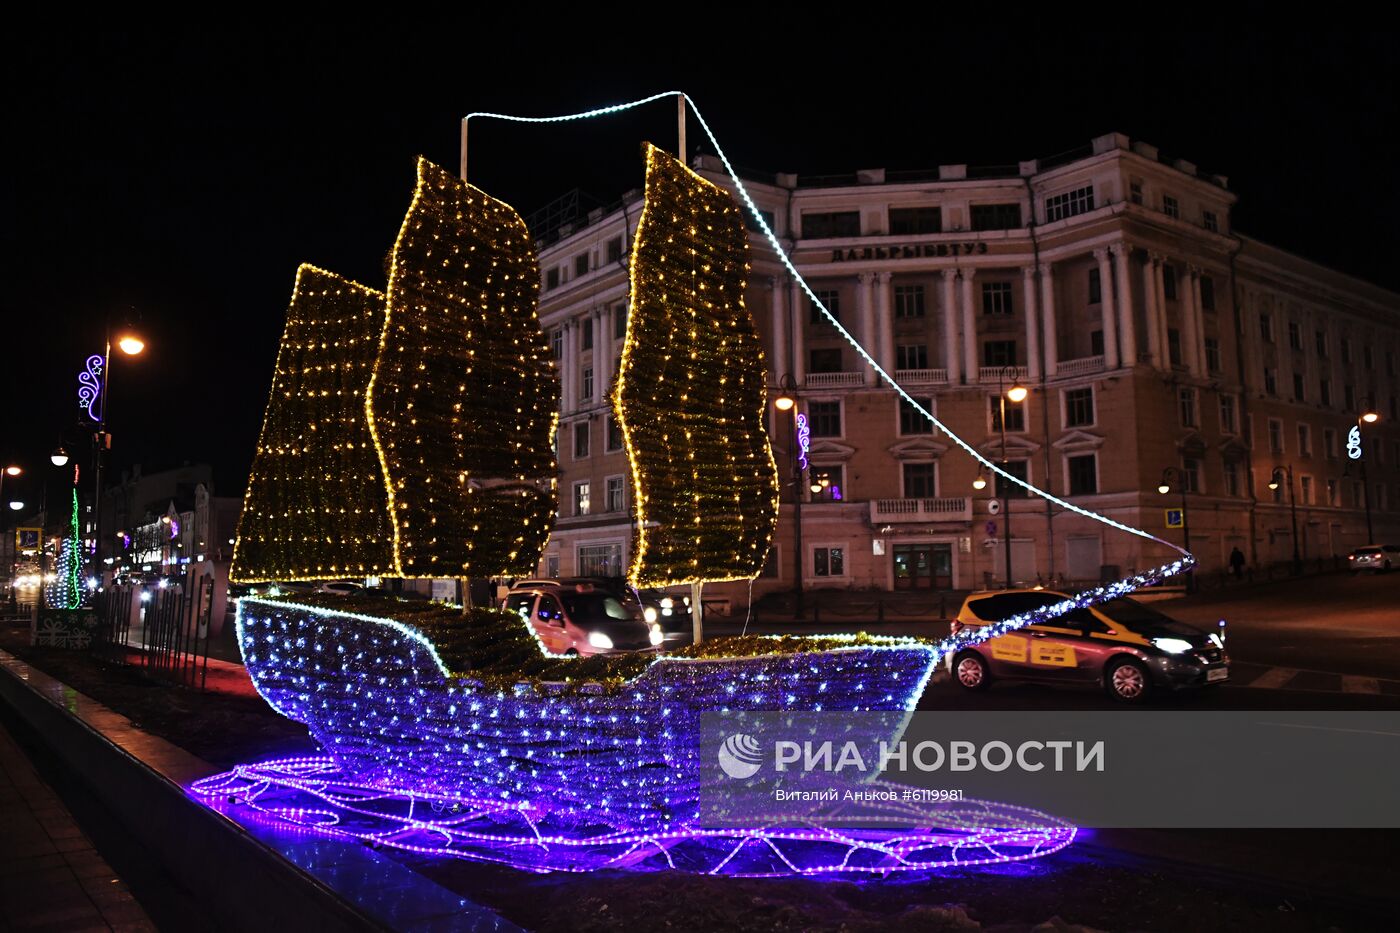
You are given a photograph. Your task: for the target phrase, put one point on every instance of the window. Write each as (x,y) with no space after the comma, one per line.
(1227,414)
(1266,328)
(1005,489)
(920,481)
(824,361)
(829,561)
(1191,474)
(1329,443)
(581,498)
(996,216)
(1060,206)
(1304,440)
(1170,207)
(588,383)
(551,279)
(1015,415)
(1349,398)
(600,560)
(1334,495)
(999,353)
(615,439)
(829,478)
(587,328)
(1275,436)
(1299,394)
(1295,336)
(619,321)
(1207,293)
(1083,474)
(581,264)
(1232,477)
(1096,343)
(832,300)
(556,342)
(614,249)
(908,301)
(768,218)
(1320,339)
(910,220)
(1135,190)
(1345,346)
(1169,281)
(551,566)
(1174,346)
(616,497)
(1367,356)
(1186,406)
(910,421)
(1324,392)
(1270,380)
(1305,489)
(996,298)
(581,434)
(1095,287)
(1209,222)
(1079,407)
(824,418)
(1389,363)
(1212,355)
(911,356)
(840,223)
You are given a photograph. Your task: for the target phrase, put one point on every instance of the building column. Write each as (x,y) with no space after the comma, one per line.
(1109,309)
(1030,307)
(602,351)
(799,333)
(1200,316)
(1122,254)
(950,328)
(1047,307)
(779,305)
(1155,351)
(1159,278)
(865,322)
(568,368)
(969,321)
(884,317)
(1191,352)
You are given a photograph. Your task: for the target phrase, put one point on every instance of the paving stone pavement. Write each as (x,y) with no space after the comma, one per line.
(51,877)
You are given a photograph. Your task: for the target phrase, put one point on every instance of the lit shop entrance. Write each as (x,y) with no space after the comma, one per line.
(923,566)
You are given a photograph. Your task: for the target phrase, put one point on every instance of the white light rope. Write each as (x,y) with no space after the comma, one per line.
(1187,559)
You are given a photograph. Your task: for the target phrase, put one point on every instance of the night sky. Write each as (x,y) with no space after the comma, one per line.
(180,178)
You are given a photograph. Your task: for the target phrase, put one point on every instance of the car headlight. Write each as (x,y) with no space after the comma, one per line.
(649,614)
(1172,645)
(657,636)
(600,641)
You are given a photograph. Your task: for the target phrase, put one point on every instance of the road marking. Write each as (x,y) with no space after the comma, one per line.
(1274,678)
(1353,684)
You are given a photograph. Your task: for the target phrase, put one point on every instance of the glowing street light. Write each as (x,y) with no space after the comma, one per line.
(59,457)
(16,505)
(130,344)
(13,470)
(981,481)
(783,402)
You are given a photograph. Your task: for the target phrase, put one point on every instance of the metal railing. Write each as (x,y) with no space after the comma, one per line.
(916,377)
(174,628)
(1080,367)
(941,509)
(834,380)
(994,373)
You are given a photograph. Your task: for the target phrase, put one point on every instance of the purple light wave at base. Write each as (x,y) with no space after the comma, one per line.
(315,794)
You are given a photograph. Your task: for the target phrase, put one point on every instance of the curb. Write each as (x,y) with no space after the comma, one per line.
(248,875)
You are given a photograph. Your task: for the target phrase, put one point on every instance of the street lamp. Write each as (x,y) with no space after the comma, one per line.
(1293,510)
(786,401)
(1170,475)
(130,344)
(980,482)
(59,457)
(1357,451)
(1017,393)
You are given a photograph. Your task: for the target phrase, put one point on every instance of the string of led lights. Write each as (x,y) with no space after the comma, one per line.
(317,794)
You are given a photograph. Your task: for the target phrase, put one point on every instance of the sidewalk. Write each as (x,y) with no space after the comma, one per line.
(51,878)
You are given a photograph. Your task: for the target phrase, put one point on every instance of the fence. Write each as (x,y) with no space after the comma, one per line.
(164,630)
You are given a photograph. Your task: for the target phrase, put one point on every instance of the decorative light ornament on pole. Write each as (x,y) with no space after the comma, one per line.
(799,441)
(1356,451)
(1017,393)
(1292,510)
(1170,475)
(93,384)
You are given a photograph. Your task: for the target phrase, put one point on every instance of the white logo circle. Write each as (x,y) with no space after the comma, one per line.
(739,756)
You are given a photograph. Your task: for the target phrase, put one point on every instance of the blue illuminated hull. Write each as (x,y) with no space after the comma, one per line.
(375,695)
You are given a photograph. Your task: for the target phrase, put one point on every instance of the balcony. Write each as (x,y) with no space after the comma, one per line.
(993,373)
(834,380)
(948,509)
(920,377)
(1080,367)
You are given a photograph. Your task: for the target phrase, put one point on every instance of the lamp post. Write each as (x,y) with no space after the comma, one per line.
(1357,451)
(1172,475)
(1293,510)
(786,401)
(1017,393)
(131,345)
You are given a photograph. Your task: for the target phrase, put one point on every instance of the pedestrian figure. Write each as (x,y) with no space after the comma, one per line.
(1237,562)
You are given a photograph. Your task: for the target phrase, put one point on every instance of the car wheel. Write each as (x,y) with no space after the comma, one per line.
(1127,681)
(970,671)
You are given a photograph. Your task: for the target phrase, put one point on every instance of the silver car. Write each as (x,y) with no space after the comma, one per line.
(1376,557)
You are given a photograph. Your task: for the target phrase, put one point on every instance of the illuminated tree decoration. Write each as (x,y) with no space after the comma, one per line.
(690,393)
(66,590)
(315,505)
(463,399)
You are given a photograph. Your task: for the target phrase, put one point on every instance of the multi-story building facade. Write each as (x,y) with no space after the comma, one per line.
(1108,281)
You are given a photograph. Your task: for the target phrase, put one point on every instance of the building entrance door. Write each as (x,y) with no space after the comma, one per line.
(923,566)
